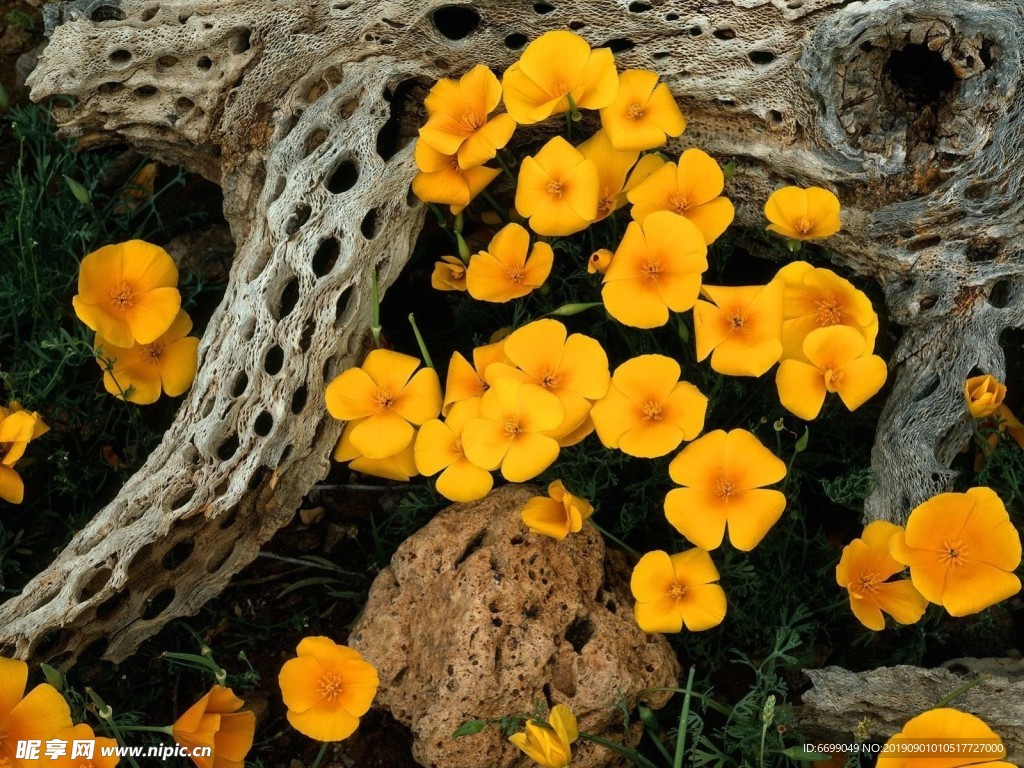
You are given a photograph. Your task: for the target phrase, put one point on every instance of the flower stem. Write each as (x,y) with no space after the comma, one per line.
(498,208)
(684,718)
(320,755)
(617,540)
(106,714)
(419,340)
(619,748)
(946,700)
(375,300)
(504,166)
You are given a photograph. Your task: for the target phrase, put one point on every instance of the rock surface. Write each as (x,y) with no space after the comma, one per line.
(476,617)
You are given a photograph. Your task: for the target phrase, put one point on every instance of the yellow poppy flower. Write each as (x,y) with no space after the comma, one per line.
(554,67)
(16,430)
(724,474)
(819,298)
(648,411)
(656,268)
(166,364)
(864,569)
(441,180)
(984,395)
(558,514)
(599,261)
(549,745)
(36,716)
(674,590)
(327,689)
(387,399)
(557,189)
(803,214)
(617,171)
(643,113)
(467,381)
(510,432)
(127,292)
(457,121)
(400,466)
(439,449)
(962,550)
(573,369)
(691,189)
(504,271)
(83,732)
(742,330)
(978,744)
(449,274)
(39,427)
(217,722)
(837,363)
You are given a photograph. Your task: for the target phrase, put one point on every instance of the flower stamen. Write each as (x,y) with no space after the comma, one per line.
(330,686)
(635,111)
(651,410)
(122,297)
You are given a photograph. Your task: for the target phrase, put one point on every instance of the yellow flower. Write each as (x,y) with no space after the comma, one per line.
(467,381)
(555,67)
(984,395)
(83,732)
(387,399)
(217,721)
(819,298)
(692,189)
(674,590)
(656,268)
(613,168)
(400,466)
(510,432)
(962,550)
(449,274)
(723,474)
(864,569)
(127,292)
(599,261)
(648,411)
(557,190)
(439,447)
(327,689)
(742,330)
(643,113)
(140,372)
(17,429)
(803,214)
(37,716)
(978,744)
(558,514)
(441,180)
(504,271)
(457,121)
(573,369)
(549,745)
(837,363)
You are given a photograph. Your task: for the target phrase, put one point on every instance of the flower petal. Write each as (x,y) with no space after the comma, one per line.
(528,456)
(702,607)
(381,435)
(801,388)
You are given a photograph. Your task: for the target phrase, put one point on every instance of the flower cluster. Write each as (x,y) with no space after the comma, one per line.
(980,745)
(18,428)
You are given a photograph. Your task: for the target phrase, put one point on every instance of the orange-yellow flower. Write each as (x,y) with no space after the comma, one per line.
(837,363)
(599,261)
(439,449)
(691,189)
(648,411)
(656,268)
(724,474)
(327,689)
(674,590)
(864,569)
(510,432)
(217,721)
(83,732)
(573,369)
(557,189)
(387,398)
(549,745)
(742,330)
(457,121)
(467,381)
(139,373)
(127,292)
(558,514)
(984,395)
(978,745)
(509,268)
(400,466)
(17,428)
(819,298)
(803,214)
(962,550)
(449,274)
(555,67)
(643,113)
(613,168)
(37,716)
(442,180)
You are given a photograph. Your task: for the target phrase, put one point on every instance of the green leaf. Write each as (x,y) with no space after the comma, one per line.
(648,717)
(729,169)
(81,193)
(803,754)
(53,676)
(801,444)
(470,728)
(567,310)
(682,330)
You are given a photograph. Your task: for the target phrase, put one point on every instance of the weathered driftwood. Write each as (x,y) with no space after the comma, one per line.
(301,110)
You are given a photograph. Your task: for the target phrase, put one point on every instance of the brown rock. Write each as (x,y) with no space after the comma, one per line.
(476,617)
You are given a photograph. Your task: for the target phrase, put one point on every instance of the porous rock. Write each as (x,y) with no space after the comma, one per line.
(476,617)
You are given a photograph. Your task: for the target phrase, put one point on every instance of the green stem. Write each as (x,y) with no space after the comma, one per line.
(320,755)
(617,540)
(684,718)
(946,700)
(631,753)
(504,167)
(419,340)
(106,714)
(498,208)
(708,701)
(375,299)
(165,729)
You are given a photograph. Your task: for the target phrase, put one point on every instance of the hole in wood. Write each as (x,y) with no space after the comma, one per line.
(920,75)
(326,257)
(455,21)
(343,178)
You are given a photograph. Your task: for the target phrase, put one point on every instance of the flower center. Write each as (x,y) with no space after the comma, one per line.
(804,225)
(829,312)
(122,297)
(561,89)
(651,410)
(833,380)
(866,582)
(152,353)
(679,202)
(724,488)
(952,552)
(551,380)
(470,120)
(330,686)
(555,188)
(652,270)
(737,321)
(677,591)
(384,398)
(515,274)
(455,164)
(457,273)
(635,111)
(511,428)
(457,446)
